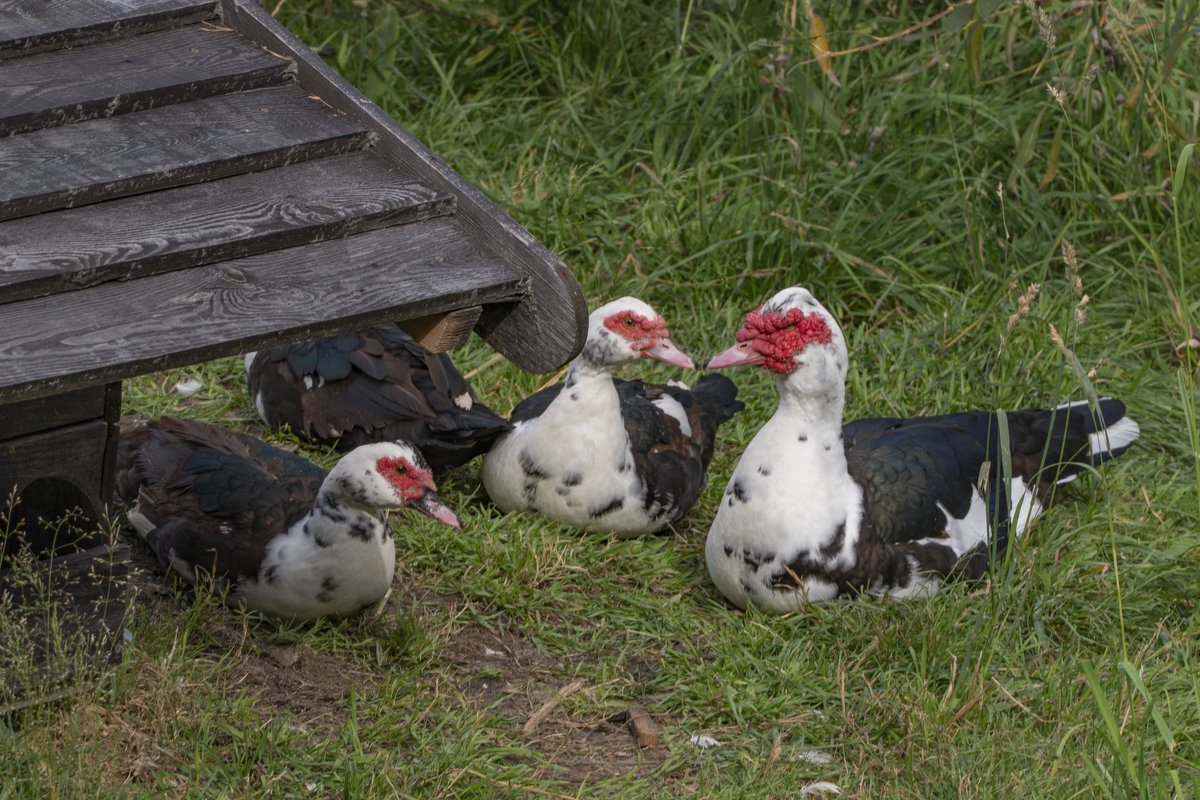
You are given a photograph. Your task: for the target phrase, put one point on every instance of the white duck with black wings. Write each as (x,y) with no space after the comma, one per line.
(815,509)
(623,457)
(281,535)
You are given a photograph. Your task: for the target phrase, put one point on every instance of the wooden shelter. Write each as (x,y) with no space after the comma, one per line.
(184,180)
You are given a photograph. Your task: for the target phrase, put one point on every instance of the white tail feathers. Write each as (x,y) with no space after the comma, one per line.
(1117,436)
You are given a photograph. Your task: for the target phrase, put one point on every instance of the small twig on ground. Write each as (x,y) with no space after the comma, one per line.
(1020,705)
(494,358)
(539,716)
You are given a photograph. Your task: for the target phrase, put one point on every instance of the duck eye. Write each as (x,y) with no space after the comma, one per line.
(399,469)
(628,322)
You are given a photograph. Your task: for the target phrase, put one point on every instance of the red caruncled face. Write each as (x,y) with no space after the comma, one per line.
(778,337)
(642,332)
(410,481)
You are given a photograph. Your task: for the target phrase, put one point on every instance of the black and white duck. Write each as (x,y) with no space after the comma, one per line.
(624,457)
(816,508)
(282,536)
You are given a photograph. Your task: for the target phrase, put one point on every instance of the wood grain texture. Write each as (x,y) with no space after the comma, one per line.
(31,26)
(112,416)
(212,221)
(116,330)
(73,451)
(132,74)
(45,413)
(548,327)
(443,332)
(87,574)
(163,147)
(52,473)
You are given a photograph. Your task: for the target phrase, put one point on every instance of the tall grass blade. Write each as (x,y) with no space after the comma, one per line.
(1136,679)
(1123,759)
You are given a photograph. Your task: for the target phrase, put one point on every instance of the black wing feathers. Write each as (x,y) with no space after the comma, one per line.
(674,464)
(908,467)
(535,405)
(374,385)
(216,496)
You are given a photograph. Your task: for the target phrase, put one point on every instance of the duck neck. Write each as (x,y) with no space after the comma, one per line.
(584,370)
(822,409)
(588,398)
(334,514)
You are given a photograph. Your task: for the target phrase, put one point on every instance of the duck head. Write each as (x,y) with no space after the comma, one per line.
(625,330)
(389,475)
(796,338)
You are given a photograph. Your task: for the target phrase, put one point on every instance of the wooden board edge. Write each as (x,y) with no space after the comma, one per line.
(554,314)
(109,29)
(510,292)
(439,333)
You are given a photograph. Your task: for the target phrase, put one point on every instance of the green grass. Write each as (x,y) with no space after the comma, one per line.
(693,155)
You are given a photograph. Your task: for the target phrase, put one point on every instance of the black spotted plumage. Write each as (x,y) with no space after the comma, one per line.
(373,385)
(276,532)
(884,505)
(672,465)
(619,456)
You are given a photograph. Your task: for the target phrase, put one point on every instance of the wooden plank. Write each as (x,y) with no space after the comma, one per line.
(86,573)
(53,344)
(211,138)
(132,74)
(31,26)
(76,436)
(443,332)
(53,472)
(548,327)
(40,455)
(211,221)
(108,462)
(45,413)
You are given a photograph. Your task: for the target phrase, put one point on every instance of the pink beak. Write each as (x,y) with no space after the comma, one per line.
(666,351)
(430,505)
(736,356)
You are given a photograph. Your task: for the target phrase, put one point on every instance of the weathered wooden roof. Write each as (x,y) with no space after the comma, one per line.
(181,181)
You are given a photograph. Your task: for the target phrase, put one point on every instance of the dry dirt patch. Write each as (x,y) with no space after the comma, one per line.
(495,669)
(506,673)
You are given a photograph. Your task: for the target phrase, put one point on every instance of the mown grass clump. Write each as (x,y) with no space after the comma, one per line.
(997,200)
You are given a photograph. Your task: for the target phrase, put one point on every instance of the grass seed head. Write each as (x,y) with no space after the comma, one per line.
(1024,303)
(1058,94)
(1072,266)
(1045,26)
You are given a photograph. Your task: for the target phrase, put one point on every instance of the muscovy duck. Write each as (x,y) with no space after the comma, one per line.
(284,537)
(815,509)
(372,385)
(622,457)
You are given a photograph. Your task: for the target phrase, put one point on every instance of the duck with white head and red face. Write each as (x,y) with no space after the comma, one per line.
(816,509)
(623,457)
(281,535)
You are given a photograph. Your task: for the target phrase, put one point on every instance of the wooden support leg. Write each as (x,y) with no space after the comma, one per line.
(441,332)
(57,467)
